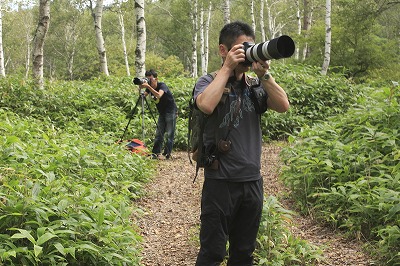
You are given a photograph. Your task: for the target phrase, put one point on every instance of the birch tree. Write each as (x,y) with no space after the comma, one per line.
(194,11)
(202,42)
(28,28)
(253,19)
(38,41)
(204,33)
(328,35)
(262,26)
(97,14)
(273,13)
(122,28)
(298,20)
(307,18)
(140,51)
(2,67)
(226,8)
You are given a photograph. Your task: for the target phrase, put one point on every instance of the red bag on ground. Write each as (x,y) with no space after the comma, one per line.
(137,146)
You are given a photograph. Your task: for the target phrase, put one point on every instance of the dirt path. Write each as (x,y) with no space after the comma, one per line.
(172,209)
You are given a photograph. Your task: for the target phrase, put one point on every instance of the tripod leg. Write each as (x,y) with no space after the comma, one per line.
(130,119)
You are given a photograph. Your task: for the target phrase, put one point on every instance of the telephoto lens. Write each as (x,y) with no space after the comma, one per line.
(281,47)
(140,81)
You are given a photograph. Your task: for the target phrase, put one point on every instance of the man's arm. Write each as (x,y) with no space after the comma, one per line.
(157,94)
(277,98)
(210,97)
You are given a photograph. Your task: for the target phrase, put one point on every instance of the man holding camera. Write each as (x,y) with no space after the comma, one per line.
(167,111)
(232,196)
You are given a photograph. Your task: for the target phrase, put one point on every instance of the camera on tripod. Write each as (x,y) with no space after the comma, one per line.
(281,47)
(140,81)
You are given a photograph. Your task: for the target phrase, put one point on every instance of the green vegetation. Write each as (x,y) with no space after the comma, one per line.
(346,172)
(67,188)
(276,244)
(65,197)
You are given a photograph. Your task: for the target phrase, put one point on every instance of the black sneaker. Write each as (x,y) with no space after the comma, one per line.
(153,156)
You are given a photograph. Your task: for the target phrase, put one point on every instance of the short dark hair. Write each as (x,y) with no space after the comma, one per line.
(151,72)
(231,31)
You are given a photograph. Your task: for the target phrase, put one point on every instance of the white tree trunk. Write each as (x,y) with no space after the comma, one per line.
(270,20)
(28,54)
(2,67)
(328,36)
(122,25)
(298,18)
(202,42)
(38,41)
(204,34)
(29,31)
(253,19)
(226,10)
(307,18)
(207,31)
(140,51)
(262,25)
(70,39)
(194,40)
(97,14)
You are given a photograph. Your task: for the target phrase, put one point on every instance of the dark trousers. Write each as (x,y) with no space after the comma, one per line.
(166,124)
(230,211)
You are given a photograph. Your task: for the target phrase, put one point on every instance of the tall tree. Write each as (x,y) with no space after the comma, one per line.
(140,51)
(2,67)
(227,11)
(328,37)
(97,14)
(262,26)
(194,71)
(253,19)
(298,20)
(307,19)
(204,33)
(38,41)
(122,28)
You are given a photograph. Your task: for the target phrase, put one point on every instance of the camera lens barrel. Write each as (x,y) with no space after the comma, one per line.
(281,47)
(140,81)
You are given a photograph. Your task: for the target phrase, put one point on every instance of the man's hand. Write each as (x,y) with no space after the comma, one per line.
(260,68)
(234,57)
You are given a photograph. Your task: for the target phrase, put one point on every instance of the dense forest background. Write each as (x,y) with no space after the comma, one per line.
(365,35)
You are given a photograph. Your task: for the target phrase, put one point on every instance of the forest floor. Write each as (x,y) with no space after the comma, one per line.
(170,222)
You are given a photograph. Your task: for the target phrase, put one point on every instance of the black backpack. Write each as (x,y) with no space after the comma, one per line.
(196,123)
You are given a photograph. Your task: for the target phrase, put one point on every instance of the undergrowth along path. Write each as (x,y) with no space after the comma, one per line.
(170,222)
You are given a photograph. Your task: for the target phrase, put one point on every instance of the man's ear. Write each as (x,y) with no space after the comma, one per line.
(223,50)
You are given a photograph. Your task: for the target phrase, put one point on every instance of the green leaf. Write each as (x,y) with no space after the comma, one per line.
(100,219)
(44,238)
(71,251)
(37,249)
(60,248)
(24,234)
(87,247)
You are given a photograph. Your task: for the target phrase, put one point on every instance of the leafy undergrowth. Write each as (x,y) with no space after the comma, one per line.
(65,199)
(276,243)
(347,173)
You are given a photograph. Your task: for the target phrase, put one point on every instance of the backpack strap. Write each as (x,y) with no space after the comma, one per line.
(192,106)
(202,126)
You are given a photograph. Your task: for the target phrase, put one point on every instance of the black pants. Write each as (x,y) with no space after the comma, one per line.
(230,211)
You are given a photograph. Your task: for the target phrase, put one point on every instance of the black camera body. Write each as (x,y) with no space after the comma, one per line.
(140,81)
(281,47)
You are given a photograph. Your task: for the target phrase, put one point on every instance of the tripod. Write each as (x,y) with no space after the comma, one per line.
(142,100)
